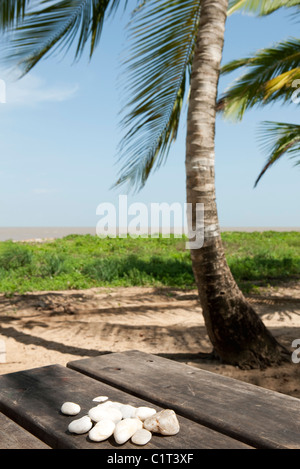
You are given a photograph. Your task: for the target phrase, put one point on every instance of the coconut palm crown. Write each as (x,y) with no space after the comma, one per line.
(162,36)
(270,75)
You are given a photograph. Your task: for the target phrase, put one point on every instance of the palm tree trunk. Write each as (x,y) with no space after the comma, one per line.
(237,334)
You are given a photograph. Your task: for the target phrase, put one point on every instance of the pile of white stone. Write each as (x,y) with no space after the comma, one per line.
(125,422)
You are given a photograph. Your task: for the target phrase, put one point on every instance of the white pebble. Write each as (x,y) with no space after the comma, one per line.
(108,413)
(128,411)
(125,429)
(70,408)
(102,430)
(139,423)
(105,404)
(141,437)
(80,426)
(100,399)
(143,413)
(114,414)
(118,405)
(164,422)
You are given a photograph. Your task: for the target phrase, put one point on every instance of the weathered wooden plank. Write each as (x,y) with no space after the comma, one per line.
(257,416)
(33,399)
(12,436)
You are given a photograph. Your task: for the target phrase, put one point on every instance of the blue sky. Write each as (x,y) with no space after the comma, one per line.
(60,130)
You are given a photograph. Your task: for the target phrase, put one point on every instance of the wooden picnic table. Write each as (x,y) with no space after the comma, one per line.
(214,412)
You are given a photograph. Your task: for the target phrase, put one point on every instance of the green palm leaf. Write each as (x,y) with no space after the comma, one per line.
(269,77)
(55,25)
(279,139)
(260,7)
(162,34)
(12,11)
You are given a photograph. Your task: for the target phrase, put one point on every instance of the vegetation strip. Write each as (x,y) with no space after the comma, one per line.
(85,261)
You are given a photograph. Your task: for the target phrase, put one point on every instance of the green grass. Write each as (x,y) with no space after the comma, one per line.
(78,262)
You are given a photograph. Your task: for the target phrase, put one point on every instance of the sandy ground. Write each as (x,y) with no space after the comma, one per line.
(56,327)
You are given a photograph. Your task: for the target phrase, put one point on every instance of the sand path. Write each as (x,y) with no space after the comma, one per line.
(44,328)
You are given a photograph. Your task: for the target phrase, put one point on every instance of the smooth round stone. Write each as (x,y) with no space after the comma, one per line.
(118,405)
(164,422)
(70,408)
(125,429)
(108,413)
(102,430)
(143,413)
(105,404)
(100,399)
(128,411)
(141,437)
(80,426)
(138,422)
(114,414)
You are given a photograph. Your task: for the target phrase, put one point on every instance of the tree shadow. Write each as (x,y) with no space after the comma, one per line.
(267,307)
(27,339)
(132,336)
(166,298)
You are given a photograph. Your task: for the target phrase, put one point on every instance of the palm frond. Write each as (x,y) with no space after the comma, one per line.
(162,37)
(282,84)
(269,77)
(55,25)
(278,139)
(235,65)
(11,12)
(260,7)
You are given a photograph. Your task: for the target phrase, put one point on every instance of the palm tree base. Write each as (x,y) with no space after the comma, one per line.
(249,359)
(257,359)
(241,339)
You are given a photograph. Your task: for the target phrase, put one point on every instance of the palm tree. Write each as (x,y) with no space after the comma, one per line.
(173,44)
(271,75)
(237,334)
